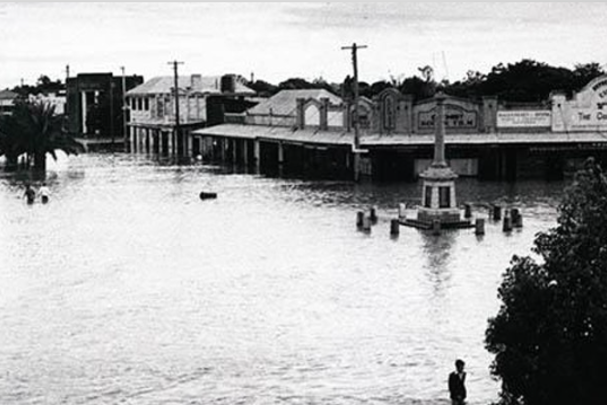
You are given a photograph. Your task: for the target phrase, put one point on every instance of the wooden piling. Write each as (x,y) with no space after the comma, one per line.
(497,212)
(394,227)
(517,218)
(479,226)
(507,223)
(366,224)
(467,211)
(360,218)
(372,215)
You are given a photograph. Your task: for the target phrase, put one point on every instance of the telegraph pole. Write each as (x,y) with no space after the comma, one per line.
(67,112)
(124,110)
(356,148)
(176,79)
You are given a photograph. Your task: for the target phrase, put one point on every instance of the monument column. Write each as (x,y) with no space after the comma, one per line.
(438,198)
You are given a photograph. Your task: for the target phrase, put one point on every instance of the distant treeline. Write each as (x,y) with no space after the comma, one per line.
(44,85)
(526,81)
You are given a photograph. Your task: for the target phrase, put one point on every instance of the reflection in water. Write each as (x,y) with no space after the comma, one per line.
(437,249)
(127,287)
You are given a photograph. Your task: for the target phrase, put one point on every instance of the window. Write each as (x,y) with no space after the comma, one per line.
(444,197)
(160,108)
(146,104)
(428,197)
(140,103)
(363,118)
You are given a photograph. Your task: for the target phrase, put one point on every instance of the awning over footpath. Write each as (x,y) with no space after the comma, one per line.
(278,134)
(312,136)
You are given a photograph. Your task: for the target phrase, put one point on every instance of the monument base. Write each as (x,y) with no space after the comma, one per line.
(448,218)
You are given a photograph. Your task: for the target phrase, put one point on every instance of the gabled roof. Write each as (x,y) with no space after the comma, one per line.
(8,95)
(285,101)
(203,84)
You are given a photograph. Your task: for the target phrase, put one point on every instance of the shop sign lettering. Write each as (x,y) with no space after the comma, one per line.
(453,119)
(523,118)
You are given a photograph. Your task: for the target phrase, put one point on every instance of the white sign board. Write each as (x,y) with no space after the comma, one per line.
(523,118)
(587,111)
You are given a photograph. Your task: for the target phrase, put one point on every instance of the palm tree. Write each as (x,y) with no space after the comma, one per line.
(35,129)
(10,141)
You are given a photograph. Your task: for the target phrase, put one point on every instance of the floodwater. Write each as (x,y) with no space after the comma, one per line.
(127,288)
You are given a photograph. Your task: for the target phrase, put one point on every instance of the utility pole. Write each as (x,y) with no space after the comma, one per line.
(176,80)
(67,112)
(356,148)
(124,110)
(112,112)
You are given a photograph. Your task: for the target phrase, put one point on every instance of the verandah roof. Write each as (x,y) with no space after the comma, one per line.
(332,137)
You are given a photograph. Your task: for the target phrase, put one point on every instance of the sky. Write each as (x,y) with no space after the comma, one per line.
(280,40)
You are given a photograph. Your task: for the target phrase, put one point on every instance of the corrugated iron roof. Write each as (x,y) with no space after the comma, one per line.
(287,134)
(7,95)
(284,102)
(203,84)
(310,135)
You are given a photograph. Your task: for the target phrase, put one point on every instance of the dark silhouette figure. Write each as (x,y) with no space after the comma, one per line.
(29,194)
(457,387)
(44,193)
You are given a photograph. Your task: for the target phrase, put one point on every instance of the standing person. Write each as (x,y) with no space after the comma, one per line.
(30,194)
(44,193)
(457,387)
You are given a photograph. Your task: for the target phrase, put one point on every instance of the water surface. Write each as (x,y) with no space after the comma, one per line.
(127,288)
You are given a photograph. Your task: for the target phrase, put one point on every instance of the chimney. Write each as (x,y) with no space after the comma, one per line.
(196,82)
(228,83)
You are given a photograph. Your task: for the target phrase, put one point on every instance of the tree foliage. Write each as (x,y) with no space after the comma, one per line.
(525,81)
(44,85)
(33,130)
(549,337)
(263,88)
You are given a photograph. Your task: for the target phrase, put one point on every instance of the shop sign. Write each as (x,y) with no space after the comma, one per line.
(586,112)
(455,117)
(523,118)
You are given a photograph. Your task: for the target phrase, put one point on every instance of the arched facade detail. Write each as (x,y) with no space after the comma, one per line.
(388,107)
(312,113)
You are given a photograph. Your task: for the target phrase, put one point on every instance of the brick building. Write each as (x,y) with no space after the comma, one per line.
(95,104)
